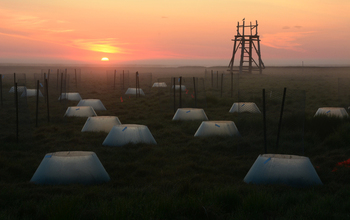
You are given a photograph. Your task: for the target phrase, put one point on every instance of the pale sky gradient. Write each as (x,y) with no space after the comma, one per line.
(181,32)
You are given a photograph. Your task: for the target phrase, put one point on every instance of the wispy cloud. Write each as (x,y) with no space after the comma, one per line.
(61,21)
(58,30)
(288,27)
(14,33)
(284,40)
(53,31)
(18,24)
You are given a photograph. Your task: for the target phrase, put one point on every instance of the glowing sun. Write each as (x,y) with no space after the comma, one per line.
(104,59)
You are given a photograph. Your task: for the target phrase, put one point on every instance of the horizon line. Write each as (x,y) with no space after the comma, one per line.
(159,65)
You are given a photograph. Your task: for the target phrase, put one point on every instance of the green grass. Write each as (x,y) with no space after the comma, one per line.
(182,177)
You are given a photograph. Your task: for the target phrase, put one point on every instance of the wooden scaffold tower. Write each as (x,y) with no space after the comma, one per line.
(248,44)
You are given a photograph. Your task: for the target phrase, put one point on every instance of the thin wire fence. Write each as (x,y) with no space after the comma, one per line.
(230,88)
(15,119)
(344,93)
(181,92)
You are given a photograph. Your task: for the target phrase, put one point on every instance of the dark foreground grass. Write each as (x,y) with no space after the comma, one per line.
(175,200)
(181,177)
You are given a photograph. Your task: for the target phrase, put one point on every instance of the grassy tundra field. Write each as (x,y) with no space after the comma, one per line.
(182,177)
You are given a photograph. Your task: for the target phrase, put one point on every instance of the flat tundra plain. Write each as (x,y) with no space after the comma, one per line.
(182,176)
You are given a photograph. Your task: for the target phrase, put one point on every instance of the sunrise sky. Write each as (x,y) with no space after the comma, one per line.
(163,32)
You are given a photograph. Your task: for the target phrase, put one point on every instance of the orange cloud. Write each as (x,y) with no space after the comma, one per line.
(21,25)
(47,30)
(106,45)
(58,30)
(285,40)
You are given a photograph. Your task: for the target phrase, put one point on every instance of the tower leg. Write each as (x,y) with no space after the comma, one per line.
(258,52)
(242,55)
(233,55)
(250,55)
